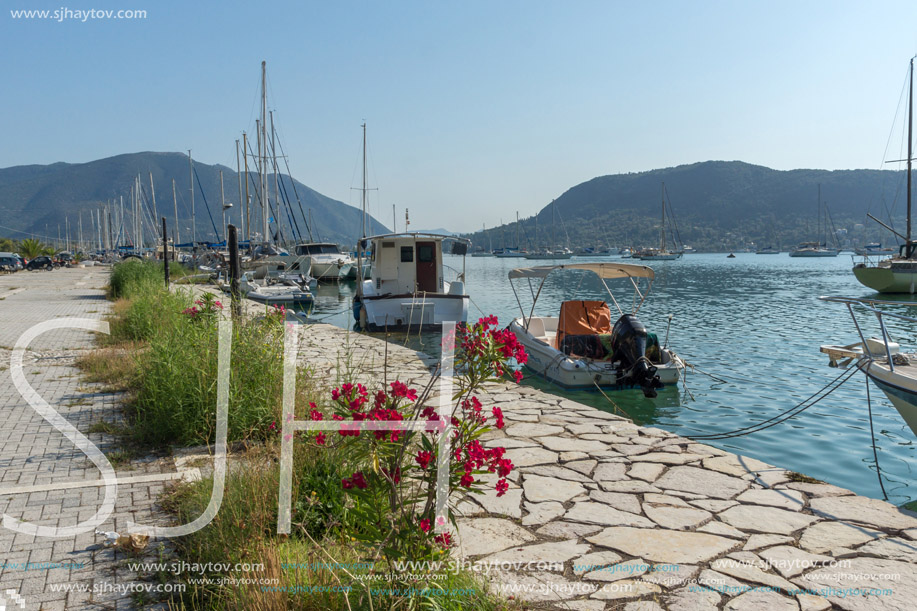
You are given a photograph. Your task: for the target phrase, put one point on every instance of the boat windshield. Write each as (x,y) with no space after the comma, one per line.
(318,249)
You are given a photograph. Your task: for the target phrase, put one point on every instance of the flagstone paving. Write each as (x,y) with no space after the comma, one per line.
(642,519)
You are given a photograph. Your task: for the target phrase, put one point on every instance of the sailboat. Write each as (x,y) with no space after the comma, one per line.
(816,249)
(481,252)
(662,253)
(897,274)
(554,252)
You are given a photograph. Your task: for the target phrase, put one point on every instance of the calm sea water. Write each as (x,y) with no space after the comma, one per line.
(753,325)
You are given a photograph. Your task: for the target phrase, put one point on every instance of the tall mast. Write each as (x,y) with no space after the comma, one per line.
(264,203)
(276,179)
(364,180)
(176,239)
(193,226)
(662,229)
(248,198)
(239,174)
(910,139)
(153,194)
(223,208)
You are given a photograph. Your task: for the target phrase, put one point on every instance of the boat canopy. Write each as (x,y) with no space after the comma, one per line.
(605,271)
(637,274)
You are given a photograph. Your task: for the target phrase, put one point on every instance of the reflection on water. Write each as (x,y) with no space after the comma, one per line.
(751,327)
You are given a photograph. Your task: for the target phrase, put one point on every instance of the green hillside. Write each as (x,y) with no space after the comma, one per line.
(37,198)
(718,206)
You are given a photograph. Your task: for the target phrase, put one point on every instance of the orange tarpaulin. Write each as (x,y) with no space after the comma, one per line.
(582,318)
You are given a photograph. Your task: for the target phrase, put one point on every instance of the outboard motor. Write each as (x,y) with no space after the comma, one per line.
(628,341)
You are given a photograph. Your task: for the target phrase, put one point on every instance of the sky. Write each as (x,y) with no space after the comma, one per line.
(474,109)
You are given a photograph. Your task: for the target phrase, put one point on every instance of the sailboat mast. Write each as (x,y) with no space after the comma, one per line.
(662,228)
(265,206)
(910,140)
(193,226)
(175,209)
(364,180)
(241,208)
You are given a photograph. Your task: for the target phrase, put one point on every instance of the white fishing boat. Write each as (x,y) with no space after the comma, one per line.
(579,348)
(891,369)
(407,288)
(663,253)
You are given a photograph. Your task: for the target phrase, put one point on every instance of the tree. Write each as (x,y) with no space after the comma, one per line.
(31,248)
(7,245)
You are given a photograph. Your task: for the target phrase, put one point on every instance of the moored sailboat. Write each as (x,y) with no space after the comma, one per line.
(897,274)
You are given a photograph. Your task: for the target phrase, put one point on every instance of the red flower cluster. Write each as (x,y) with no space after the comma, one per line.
(351,396)
(477,457)
(355,481)
(444,540)
(498,416)
(423,459)
(477,339)
(401,390)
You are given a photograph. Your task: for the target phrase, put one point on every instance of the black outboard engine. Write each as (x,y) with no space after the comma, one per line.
(628,341)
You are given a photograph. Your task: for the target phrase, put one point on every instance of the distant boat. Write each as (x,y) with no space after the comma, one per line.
(768,250)
(816,249)
(813,249)
(662,253)
(480,252)
(875,249)
(730,256)
(555,252)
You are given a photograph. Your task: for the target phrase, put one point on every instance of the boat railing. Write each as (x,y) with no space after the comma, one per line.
(869,305)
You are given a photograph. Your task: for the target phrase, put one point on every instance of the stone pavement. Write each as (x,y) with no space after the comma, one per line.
(603,514)
(45,479)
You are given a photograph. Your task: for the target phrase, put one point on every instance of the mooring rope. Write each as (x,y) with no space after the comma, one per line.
(797,409)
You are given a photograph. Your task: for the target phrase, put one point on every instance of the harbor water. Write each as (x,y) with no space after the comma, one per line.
(751,326)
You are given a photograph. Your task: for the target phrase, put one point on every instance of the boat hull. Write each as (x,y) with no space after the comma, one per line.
(582,374)
(901,390)
(886,280)
(426,312)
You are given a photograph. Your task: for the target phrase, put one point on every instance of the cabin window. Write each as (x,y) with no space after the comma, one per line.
(426,253)
(407,254)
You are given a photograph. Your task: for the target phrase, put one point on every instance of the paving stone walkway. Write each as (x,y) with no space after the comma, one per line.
(603,514)
(43,478)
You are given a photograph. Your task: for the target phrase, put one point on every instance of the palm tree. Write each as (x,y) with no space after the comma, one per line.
(31,248)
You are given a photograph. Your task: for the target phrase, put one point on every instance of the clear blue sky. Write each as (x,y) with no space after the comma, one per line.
(475,108)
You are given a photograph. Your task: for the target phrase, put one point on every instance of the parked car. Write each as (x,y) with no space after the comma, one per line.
(41,262)
(9,262)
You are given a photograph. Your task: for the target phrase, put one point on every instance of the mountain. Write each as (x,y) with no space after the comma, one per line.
(38,198)
(718,205)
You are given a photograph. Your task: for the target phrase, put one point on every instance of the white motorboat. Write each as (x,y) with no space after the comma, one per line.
(407,288)
(325,260)
(272,294)
(892,370)
(580,349)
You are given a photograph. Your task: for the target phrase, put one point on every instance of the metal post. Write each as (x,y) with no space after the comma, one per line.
(165,251)
(234,271)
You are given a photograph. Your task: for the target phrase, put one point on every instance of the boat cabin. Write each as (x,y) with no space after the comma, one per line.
(403,264)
